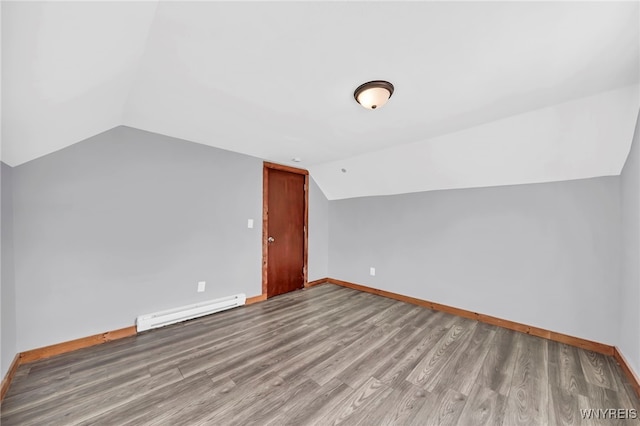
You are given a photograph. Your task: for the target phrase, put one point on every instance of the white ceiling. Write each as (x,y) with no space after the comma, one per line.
(487,93)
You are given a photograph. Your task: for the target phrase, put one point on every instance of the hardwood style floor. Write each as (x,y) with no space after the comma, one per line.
(324,355)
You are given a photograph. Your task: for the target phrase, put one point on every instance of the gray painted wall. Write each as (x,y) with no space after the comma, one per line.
(318,233)
(7,284)
(126,223)
(547,255)
(629,331)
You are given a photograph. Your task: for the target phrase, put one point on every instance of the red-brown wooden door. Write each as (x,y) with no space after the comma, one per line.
(284,229)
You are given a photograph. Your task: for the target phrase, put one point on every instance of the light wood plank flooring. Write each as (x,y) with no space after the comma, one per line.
(325,355)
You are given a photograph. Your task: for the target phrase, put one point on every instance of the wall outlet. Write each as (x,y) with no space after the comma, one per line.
(250,223)
(201,285)
(372,271)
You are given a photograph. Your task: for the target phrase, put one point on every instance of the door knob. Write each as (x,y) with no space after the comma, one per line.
(271,239)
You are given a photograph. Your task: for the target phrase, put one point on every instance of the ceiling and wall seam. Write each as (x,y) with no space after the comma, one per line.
(139,67)
(274,81)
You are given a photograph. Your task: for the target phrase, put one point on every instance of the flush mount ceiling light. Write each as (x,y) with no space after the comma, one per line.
(373,94)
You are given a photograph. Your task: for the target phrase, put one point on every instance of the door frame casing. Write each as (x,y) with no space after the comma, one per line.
(265,220)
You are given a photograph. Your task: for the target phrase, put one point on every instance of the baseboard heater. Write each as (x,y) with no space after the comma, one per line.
(172,316)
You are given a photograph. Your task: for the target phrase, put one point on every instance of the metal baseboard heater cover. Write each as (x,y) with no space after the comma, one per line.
(172,316)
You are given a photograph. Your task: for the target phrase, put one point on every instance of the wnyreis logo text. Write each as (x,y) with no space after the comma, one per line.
(609,413)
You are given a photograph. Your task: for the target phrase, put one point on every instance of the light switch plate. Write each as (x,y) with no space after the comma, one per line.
(372,271)
(250,223)
(201,286)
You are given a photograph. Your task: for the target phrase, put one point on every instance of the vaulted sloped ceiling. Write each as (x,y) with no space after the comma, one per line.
(487,93)
(67,70)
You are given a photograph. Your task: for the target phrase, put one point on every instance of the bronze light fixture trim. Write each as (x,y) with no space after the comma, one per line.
(373,94)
